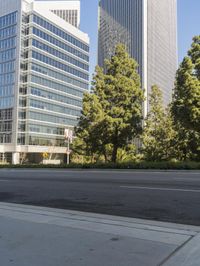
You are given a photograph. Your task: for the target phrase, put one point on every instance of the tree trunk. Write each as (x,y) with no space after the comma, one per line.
(105,158)
(114,154)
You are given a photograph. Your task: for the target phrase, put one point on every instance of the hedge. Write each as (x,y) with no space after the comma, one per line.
(128,165)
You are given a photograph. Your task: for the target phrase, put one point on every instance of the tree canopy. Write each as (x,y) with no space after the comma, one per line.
(112,114)
(158,135)
(186,98)
(112,120)
(186,104)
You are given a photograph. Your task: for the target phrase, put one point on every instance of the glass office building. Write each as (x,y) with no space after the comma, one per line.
(44,72)
(148,28)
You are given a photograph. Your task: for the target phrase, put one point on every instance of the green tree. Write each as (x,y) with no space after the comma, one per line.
(186,98)
(89,127)
(187,143)
(112,114)
(158,135)
(186,104)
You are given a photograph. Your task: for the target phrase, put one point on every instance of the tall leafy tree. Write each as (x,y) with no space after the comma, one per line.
(158,135)
(187,143)
(186,104)
(186,99)
(86,142)
(112,114)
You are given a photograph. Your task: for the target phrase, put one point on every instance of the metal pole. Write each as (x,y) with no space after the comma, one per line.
(68,150)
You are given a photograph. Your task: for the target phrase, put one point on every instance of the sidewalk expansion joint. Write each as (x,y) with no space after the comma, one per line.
(175,251)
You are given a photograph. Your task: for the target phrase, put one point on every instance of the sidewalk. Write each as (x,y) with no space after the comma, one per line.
(36,236)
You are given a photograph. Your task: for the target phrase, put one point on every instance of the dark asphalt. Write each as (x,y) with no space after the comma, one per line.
(158,195)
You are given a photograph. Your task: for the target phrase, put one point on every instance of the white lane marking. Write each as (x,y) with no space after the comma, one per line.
(2,180)
(162,189)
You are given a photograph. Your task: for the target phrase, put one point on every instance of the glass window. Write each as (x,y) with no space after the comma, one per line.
(43,23)
(60,44)
(59,76)
(8,20)
(57,53)
(62,120)
(56,97)
(59,65)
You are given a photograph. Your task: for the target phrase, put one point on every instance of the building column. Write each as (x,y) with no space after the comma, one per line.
(15,158)
(3,157)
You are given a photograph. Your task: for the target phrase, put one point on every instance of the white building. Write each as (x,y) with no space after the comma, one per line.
(148,28)
(44,71)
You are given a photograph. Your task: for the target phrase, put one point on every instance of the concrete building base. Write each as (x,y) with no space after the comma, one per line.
(30,154)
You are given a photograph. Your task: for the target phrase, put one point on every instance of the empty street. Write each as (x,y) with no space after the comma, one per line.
(172,196)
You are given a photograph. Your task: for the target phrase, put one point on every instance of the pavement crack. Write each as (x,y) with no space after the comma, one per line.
(175,251)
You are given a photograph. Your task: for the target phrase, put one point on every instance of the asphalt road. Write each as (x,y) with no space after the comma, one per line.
(158,195)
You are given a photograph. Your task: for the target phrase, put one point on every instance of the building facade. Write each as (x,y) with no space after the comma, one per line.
(44,72)
(69,10)
(148,28)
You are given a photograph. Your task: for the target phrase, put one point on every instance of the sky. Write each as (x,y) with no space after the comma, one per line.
(188,25)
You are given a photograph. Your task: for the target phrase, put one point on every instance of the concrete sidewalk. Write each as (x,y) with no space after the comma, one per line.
(36,236)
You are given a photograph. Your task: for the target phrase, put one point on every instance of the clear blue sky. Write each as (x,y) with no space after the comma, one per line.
(188,25)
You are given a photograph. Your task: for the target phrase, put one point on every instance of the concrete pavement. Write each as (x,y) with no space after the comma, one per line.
(37,236)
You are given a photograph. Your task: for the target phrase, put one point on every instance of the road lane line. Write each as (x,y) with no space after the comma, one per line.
(162,189)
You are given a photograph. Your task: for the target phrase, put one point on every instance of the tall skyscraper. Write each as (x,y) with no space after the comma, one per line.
(148,28)
(44,71)
(69,10)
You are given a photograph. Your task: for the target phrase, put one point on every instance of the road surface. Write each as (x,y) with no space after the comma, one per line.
(172,196)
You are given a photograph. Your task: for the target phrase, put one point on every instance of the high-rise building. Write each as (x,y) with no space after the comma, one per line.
(44,71)
(69,10)
(148,28)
